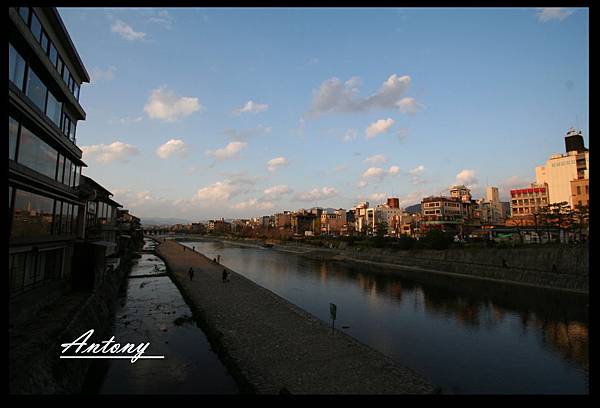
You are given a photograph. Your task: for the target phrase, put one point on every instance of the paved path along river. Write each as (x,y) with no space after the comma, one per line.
(277,346)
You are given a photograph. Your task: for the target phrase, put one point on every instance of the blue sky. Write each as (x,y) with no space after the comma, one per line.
(203,113)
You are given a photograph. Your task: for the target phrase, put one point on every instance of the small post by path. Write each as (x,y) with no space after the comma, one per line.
(332,313)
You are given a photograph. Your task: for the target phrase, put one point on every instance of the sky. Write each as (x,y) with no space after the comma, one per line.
(201,113)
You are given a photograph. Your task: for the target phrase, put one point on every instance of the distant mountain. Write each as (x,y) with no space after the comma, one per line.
(148,221)
(413,209)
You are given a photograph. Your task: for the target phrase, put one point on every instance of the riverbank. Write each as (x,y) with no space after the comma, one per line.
(273,346)
(35,366)
(560,268)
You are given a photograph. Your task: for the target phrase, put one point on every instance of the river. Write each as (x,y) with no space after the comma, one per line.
(151,309)
(464,335)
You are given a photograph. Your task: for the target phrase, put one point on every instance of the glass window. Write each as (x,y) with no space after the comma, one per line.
(72,132)
(76,92)
(75,217)
(56,220)
(66,125)
(13,131)
(61,168)
(66,74)
(72,184)
(16,67)
(65,219)
(36,154)
(24,13)
(36,90)
(44,42)
(16,267)
(53,109)
(53,54)
(77,174)
(36,27)
(32,215)
(67,179)
(59,66)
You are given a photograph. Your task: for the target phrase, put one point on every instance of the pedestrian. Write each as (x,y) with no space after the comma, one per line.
(191,273)
(219,259)
(193,248)
(224,275)
(215,260)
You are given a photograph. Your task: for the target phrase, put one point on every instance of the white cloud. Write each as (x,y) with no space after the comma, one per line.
(246,134)
(466,177)
(229,151)
(317,194)
(362,183)
(394,170)
(275,192)
(335,96)
(378,127)
(374,172)
(163,18)
(253,203)
(126,120)
(350,135)
(163,104)
(219,192)
(276,162)
(376,159)
(99,74)
(553,13)
(107,153)
(409,106)
(173,146)
(417,170)
(251,107)
(126,32)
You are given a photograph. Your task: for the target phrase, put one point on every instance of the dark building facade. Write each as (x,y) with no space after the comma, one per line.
(44,162)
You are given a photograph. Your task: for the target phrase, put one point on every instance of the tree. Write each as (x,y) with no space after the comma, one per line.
(580,221)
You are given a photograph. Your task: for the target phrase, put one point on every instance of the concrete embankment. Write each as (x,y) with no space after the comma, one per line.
(558,267)
(272,346)
(35,366)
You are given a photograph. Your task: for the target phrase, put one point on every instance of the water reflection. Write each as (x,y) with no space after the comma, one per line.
(153,310)
(465,335)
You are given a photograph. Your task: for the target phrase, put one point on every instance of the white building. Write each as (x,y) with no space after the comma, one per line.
(561,169)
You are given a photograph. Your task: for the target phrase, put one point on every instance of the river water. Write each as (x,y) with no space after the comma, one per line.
(464,335)
(151,309)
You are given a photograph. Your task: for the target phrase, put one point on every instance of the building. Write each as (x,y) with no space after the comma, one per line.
(283,220)
(580,192)
(444,213)
(304,221)
(561,169)
(360,217)
(491,210)
(333,222)
(44,161)
(529,201)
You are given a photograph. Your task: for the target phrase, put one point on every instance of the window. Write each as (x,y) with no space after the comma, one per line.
(75,217)
(56,221)
(587,188)
(44,42)
(72,184)
(36,27)
(16,67)
(72,132)
(77,174)
(67,179)
(16,268)
(59,66)
(13,132)
(53,54)
(60,171)
(76,93)
(53,109)
(65,221)
(66,127)
(66,74)
(29,268)
(24,13)
(32,215)
(36,154)
(36,90)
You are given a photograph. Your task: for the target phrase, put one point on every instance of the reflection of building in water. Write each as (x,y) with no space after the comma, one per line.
(571,339)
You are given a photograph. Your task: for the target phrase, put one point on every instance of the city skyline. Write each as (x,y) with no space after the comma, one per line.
(300,108)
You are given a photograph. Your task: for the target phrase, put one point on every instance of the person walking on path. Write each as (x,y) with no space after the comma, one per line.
(218,259)
(193,248)
(224,275)
(191,273)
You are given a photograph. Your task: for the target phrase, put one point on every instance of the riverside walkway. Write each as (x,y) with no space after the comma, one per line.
(274,346)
